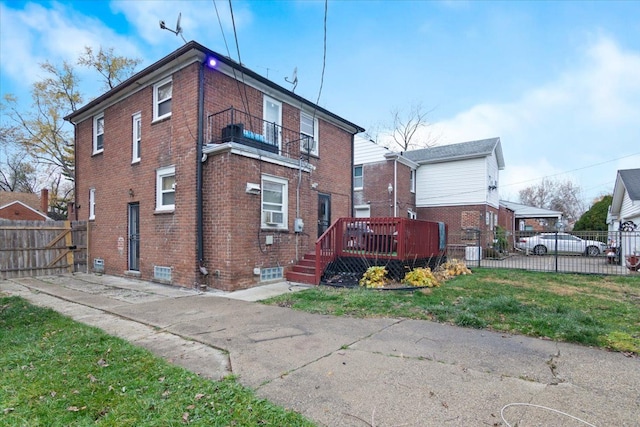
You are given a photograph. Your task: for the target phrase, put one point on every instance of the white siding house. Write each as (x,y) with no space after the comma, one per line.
(459,174)
(624,212)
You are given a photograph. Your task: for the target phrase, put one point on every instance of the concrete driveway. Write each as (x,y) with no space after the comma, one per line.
(341,371)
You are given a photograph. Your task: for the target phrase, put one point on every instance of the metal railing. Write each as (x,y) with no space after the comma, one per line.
(589,252)
(232,125)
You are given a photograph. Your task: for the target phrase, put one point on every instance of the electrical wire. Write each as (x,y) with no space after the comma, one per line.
(540,407)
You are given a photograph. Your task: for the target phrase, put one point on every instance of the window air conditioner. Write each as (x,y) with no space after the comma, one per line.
(272,218)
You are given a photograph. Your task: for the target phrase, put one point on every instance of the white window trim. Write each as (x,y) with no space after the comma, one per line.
(135,141)
(266,100)
(316,149)
(95,133)
(285,203)
(361,177)
(161,173)
(92,203)
(156,117)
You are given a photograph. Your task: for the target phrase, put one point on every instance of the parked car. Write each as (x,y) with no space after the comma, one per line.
(542,243)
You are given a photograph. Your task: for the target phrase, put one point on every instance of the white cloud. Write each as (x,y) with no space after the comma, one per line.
(37,34)
(586,115)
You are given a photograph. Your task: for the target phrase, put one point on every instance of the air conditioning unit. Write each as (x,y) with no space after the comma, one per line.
(309,145)
(273,218)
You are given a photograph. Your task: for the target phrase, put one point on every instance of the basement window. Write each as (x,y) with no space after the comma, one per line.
(161,273)
(271,273)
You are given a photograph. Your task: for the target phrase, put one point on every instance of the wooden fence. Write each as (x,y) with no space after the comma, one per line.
(38,248)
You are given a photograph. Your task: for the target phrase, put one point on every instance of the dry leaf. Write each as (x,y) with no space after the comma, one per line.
(92,378)
(166,393)
(199,396)
(161,379)
(185,417)
(73,409)
(102,363)
(191,407)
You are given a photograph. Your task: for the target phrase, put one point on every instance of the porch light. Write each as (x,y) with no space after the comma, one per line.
(212,62)
(390,188)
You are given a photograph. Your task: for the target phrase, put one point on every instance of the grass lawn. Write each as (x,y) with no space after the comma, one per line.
(57,372)
(602,311)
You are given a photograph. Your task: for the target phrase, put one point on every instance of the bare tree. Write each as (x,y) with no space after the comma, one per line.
(563,196)
(407,125)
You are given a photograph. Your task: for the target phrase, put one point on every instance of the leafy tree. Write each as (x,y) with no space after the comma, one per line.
(563,196)
(113,69)
(41,132)
(595,219)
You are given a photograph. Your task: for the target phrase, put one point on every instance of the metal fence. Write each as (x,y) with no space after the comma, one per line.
(593,252)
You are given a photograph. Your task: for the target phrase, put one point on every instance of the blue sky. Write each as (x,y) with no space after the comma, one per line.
(558,82)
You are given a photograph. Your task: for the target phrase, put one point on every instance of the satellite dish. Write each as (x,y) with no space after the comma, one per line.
(294,79)
(178,27)
(177,31)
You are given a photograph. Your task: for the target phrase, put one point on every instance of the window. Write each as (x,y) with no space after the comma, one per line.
(272,116)
(274,202)
(166,189)
(412,181)
(271,273)
(309,134)
(136,137)
(98,134)
(357,177)
(92,203)
(162,93)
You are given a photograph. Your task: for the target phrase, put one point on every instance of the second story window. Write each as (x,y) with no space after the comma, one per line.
(309,134)
(162,93)
(136,138)
(357,178)
(98,134)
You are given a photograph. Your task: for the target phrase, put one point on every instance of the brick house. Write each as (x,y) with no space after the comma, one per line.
(199,172)
(530,218)
(456,184)
(24,206)
(383,182)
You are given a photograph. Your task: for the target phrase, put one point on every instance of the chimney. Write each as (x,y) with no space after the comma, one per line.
(44,201)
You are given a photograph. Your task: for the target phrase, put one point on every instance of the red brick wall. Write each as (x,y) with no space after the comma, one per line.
(166,239)
(375,193)
(234,240)
(462,218)
(17,211)
(234,243)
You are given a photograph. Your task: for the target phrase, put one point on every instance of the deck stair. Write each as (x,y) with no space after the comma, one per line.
(304,271)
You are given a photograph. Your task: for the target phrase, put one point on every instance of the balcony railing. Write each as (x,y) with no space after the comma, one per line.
(232,125)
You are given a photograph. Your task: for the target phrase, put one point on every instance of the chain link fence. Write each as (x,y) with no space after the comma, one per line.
(589,252)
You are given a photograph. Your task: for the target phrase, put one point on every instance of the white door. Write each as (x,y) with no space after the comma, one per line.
(272,116)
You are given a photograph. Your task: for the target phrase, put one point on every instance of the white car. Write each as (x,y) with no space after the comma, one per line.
(543,243)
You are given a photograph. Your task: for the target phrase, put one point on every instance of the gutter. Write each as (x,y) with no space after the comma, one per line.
(199,161)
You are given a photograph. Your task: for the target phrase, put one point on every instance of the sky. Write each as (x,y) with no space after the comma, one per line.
(558,82)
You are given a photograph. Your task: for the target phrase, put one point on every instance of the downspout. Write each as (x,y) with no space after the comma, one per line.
(353,137)
(199,213)
(395,186)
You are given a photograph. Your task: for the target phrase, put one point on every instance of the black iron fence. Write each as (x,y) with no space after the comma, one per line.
(592,252)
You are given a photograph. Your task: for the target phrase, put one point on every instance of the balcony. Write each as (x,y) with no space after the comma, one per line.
(233,125)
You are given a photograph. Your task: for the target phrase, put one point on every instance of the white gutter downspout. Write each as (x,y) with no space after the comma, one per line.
(395,186)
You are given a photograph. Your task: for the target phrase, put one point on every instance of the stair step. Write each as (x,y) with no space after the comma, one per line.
(303,268)
(307,263)
(295,276)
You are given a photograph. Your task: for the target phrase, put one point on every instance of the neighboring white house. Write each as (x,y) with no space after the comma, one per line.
(456,184)
(624,212)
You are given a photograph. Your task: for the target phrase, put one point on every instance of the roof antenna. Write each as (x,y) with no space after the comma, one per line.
(177,31)
(294,79)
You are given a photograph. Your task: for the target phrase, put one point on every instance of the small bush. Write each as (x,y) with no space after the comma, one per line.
(374,277)
(451,268)
(421,277)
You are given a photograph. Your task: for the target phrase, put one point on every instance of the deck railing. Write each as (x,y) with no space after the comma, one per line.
(379,238)
(232,125)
